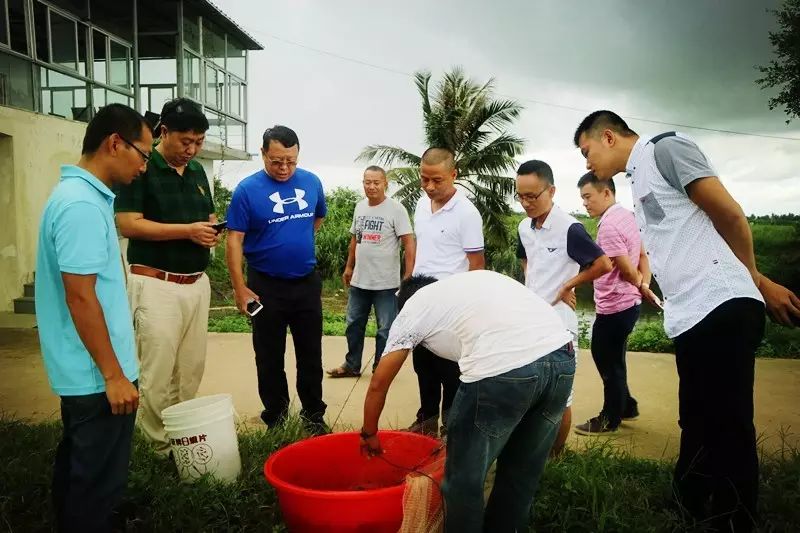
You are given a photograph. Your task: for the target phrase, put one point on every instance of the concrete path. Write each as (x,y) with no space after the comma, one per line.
(24,392)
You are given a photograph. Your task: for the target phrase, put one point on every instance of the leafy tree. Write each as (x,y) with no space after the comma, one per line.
(784,71)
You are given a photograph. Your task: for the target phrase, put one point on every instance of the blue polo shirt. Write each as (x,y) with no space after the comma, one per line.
(277,218)
(77,236)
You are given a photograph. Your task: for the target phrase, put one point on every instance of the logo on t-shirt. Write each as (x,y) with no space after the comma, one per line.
(551,250)
(369,229)
(299,194)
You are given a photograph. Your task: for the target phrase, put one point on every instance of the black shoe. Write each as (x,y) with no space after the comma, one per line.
(425,427)
(272,421)
(595,426)
(316,426)
(631,413)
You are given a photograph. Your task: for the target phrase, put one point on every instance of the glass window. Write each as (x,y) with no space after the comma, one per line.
(63,95)
(216,129)
(237,61)
(235,133)
(157,97)
(213,87)
(213,43)
(235,93)
(120,65)
(3,24)
(191,76)
(83,32)
(16,82)
(191,27)
(16,21)
(116,98)
(99,95)
(40,29)
(99,51)
(63,41)
(74,7)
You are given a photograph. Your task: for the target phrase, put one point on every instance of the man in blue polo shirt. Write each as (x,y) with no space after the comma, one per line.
(272,220)
(85,326)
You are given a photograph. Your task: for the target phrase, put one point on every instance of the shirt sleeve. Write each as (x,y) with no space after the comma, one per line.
(207,188)
(80,235)
(611,240)
(353,223)
(580,246)
(238,216)
(322,208)
(520,248)
(408,330)
(681,161)
(472,231)
(130,198)
(402,221)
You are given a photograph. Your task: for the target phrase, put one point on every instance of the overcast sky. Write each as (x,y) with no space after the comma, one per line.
(681,61)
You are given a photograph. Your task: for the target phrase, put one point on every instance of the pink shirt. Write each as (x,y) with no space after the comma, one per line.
(617,235)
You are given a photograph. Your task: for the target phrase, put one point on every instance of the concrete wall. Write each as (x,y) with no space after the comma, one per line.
(32,148)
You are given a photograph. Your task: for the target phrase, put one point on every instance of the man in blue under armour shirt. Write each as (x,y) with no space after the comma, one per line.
(272,220)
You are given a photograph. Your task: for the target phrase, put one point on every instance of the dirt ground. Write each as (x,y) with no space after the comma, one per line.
(230,367)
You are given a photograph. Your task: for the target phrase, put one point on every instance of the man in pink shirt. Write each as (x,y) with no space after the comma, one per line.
(618,296)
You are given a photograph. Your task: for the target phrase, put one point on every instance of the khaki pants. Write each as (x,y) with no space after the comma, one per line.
(171,324)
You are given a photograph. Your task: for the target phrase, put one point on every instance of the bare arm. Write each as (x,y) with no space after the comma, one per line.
(135,226)
(317,223)
(409,253)
(477,261)
(729,220)
(351,262)
(602,265)
(629,273)
(233,257)
(90,323)
(383,376)
(644,267)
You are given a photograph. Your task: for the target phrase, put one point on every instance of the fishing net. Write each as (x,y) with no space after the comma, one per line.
(423,509)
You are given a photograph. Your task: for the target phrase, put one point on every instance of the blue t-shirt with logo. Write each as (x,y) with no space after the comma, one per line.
(77,236)
(277,218)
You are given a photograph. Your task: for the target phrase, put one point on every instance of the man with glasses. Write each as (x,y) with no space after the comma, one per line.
(272,221)
(85,323)
(167,215)
(557,255)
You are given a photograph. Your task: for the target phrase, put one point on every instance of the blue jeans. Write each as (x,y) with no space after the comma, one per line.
(91,466)
(512,418)
(359,303)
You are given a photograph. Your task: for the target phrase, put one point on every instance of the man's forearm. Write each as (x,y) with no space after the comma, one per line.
(373,407)
(147,230)
(602,265)
(351,254)
(477,261)
(233,258)
(644,268)
(409,254)
(90,323)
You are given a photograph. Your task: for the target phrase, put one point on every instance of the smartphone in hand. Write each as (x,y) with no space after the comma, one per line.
(253,307)
(219,226)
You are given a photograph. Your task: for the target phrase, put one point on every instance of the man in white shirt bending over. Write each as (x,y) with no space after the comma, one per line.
(517,366)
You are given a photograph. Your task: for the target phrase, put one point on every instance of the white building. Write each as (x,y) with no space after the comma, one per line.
(61,60)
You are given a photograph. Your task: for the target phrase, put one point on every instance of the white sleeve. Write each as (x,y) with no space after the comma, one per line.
(471,230)
(402,223)
(408,330)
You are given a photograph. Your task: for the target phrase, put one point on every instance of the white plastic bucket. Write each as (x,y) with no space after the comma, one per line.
(203,438)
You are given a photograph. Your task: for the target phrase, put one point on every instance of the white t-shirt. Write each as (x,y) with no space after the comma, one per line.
(377,230)
(487,322)
(445,237)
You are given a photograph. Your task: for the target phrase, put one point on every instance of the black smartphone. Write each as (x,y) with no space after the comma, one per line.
(253,307)
(219,226)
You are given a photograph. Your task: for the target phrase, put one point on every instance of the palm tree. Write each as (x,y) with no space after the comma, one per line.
(463,116)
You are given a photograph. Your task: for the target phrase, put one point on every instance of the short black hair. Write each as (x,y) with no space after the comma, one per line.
(286,136)
(540,168)
(436,155)
(183,114)
(410,286)
(602,120)
(375,168)
(113,118)
(589,177)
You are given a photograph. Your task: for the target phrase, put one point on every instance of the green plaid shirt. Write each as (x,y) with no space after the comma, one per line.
(162,195)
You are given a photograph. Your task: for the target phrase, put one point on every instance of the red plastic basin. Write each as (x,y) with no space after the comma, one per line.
(325,484)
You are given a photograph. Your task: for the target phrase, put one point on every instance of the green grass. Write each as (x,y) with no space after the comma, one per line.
(599,489)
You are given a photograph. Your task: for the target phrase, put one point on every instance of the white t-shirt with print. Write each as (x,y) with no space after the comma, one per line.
(377,230)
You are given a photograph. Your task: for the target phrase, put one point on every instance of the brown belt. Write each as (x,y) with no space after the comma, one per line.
(181,279)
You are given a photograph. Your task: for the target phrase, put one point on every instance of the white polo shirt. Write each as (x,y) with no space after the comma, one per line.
(445,237)
(555,253)
(487,322)
(695,268)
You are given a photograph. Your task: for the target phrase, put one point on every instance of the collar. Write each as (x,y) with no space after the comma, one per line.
(636,154)
(603,216)
(451,203)
(74,171)
(548,222)
(158,161)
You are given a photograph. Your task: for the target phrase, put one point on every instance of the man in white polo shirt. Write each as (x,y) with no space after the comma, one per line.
(700,249)
(449,233)
(517,368)
(557,254)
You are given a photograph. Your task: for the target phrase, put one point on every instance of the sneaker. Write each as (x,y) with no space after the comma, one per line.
(425,427)
(316,427)
(595,426)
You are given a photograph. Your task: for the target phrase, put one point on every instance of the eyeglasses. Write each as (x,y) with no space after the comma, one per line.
(529,198)
(145,156)
(288,163)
